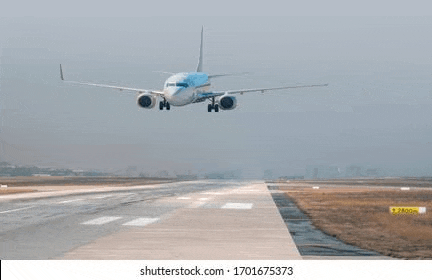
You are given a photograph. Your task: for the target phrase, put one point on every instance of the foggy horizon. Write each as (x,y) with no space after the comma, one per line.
(375,112)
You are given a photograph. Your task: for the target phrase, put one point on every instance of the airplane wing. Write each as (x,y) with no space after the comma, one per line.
(136,90)
(241,91)
(226,74)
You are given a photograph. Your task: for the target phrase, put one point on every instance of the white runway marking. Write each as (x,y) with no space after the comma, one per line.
(245,191)
(103,196)
(212,193)
(124,194)
(183,197)
(13,210)
(197,204)
(238,206)
(204,198)
(141,222)
(276,191)
(101,221)
(69,201)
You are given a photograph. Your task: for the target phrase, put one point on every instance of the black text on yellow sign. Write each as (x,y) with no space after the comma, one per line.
(407,210)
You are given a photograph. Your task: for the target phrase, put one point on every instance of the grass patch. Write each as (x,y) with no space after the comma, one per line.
(362,218)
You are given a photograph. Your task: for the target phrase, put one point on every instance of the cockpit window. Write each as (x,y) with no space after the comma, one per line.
(185,85)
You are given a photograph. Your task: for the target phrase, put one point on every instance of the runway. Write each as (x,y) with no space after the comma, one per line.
(184,220)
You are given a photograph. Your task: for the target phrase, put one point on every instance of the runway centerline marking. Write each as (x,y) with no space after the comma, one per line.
(69,201)
(237,206)
(124,194)
(183,197)
(103,196)
(197,204)
(141,222)
(101,221)
(212,193)
(13,210)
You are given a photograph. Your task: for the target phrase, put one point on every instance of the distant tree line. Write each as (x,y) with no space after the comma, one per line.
(9,170)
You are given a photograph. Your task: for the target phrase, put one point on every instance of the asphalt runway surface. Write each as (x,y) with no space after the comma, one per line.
(183,220)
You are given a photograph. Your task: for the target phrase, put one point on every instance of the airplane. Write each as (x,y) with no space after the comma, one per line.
(187,88)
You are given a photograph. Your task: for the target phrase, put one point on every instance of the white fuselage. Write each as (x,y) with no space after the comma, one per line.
(181,89)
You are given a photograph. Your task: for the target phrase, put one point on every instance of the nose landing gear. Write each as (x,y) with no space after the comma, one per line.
(163,104)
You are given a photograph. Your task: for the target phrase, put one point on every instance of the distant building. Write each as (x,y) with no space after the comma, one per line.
(353,171)
(186,177)
(162,174)
(233,174)
(295,177)
(363,171)
(132,171)
(372,172)
(78,172)
(322,171)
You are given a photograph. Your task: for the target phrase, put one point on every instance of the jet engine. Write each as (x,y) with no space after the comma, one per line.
(227,102)
(146,100)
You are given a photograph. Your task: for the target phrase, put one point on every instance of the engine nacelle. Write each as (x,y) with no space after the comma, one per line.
(146,100)
(227,102)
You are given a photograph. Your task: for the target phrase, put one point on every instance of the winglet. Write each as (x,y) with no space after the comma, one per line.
(61,73)
(200,61)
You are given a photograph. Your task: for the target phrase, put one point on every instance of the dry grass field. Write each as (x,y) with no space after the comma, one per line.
(78,181)
(14,190)
(58,183)
(360,216)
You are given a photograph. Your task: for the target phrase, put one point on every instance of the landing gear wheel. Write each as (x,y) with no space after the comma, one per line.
(216,107)
(161,105)
(167,106)
(209,108)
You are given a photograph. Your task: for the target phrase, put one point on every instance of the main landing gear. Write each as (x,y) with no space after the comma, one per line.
(163,104)
(212,106)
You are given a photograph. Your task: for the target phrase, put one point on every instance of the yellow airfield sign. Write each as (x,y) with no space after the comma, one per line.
(397,210)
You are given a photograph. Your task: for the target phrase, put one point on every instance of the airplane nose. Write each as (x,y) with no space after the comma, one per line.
(174,92)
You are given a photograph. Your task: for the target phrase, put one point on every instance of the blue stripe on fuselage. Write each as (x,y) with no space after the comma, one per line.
(193,79)
(179,95)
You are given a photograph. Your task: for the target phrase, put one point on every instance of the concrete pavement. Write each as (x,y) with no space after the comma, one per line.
(184,220)
(232,223)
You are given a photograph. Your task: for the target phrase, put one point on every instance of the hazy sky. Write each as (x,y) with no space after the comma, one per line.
(138,8)
(376,111)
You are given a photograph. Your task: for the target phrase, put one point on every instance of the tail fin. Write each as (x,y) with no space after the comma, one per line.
(200,61)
